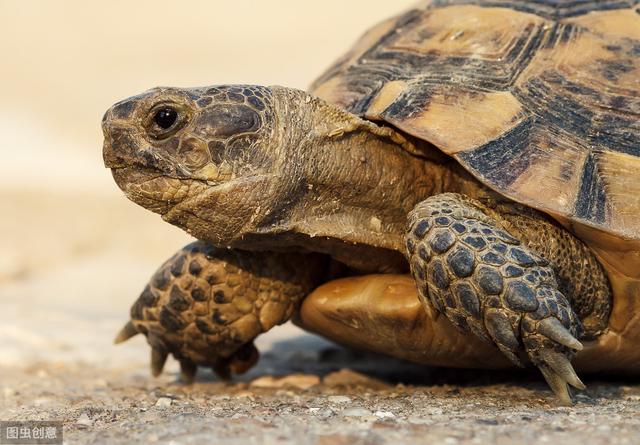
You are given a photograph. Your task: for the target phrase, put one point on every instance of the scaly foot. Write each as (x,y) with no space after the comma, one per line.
(486,281)
(206,305)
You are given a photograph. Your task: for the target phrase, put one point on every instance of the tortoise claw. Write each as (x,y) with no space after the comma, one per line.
(554,360)
(238,363)
(129,330)
(222,370)
(244,359)
(559,373)
(158,359)
(188,371)
(553,329)
(558,385)
(561,366)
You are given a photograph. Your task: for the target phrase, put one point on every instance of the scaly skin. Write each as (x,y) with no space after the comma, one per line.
(263,169)
(206,305)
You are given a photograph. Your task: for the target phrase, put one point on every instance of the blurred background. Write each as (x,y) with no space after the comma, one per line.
(74,253)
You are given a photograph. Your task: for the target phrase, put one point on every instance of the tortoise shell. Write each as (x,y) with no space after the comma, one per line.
(539,100)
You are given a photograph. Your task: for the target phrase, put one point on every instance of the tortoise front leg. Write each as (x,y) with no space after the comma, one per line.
(207,305)
(478,266)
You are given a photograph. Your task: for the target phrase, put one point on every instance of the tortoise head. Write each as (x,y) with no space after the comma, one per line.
(203,158)
(260,167)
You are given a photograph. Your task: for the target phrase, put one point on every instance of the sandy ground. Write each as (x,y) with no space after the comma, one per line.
(74,254)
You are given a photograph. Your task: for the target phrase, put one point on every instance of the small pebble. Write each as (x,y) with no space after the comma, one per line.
(385,415)
(325,413)
(355,412)
(84,420)
(163,402)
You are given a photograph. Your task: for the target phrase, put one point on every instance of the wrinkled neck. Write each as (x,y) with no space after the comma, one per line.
(356,180)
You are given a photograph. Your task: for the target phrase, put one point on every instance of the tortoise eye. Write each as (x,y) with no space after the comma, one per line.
(165,118)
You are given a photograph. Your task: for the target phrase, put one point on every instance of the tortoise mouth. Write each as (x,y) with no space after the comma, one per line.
(156,190)
(214,190)
(132,175)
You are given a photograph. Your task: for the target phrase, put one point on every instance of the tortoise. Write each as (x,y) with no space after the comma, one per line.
(462,188)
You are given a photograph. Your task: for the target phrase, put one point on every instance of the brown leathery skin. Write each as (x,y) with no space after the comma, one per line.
(206,305)
(617,349)
(579,274)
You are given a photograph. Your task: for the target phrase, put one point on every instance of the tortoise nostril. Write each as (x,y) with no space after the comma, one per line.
(119,145)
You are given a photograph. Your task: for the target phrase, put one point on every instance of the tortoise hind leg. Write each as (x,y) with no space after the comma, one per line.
(489,282)
(206,305)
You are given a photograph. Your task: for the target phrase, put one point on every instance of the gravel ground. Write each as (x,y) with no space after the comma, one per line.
(122,406)
(65,289)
